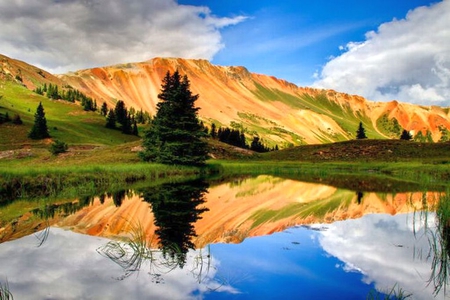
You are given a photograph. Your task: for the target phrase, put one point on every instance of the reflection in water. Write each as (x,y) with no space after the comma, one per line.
(179,217)
(359,196)
(175,208)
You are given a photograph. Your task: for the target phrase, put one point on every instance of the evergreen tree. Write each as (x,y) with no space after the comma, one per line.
(213,131)
(111,119)
(104,109)
(257,146)
(406,135)
(175,135)
(121,112)
(127,126)
(39,129)
(135,128)
(361,132)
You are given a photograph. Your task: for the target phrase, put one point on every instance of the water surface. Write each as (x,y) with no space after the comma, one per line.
(262,237)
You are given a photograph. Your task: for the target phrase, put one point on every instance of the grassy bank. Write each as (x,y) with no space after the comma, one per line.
(34,182)
(367,176)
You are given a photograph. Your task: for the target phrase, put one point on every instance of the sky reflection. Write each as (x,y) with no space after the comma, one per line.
(343,260)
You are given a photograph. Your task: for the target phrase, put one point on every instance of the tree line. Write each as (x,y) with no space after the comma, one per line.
(53,92)
(407,136)
(236,137)
(120,115)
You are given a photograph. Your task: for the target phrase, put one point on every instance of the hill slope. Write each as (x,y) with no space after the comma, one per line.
(277,110)
(66,121)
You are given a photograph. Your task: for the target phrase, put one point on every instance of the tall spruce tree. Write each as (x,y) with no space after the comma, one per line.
(39,129)
(361,132)
(175,134)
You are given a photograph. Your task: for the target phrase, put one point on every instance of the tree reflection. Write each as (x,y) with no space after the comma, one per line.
(176,208)
(359,196)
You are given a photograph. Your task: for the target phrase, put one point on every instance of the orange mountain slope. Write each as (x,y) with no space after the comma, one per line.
(279,111)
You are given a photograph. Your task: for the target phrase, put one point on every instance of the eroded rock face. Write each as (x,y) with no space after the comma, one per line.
(290,113)
(278,111)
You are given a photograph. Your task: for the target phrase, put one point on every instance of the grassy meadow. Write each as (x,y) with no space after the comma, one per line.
(104,156)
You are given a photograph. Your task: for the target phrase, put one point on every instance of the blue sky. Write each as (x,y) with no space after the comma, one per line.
(382,50)
(294,39)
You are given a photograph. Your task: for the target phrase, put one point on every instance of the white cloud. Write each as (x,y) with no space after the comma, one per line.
(389,250)
(69,266)
(406,60)
(62,35)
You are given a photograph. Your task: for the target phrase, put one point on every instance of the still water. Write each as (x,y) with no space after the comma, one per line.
(254,238)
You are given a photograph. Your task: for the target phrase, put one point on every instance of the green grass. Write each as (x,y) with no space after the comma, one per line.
(66,121)
(347,119)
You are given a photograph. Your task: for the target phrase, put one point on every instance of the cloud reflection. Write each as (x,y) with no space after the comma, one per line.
(389,250)
(67,266)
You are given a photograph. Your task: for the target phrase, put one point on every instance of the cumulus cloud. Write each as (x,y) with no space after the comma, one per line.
(406,60)
(62,35)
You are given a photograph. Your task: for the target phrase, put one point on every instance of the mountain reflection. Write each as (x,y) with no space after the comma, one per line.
(176,208)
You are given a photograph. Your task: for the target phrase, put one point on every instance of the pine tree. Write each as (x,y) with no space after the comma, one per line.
(111,120)
(361,132)
(135,128)
(213,133)
(39,129)
(175,135)
(121,112)
(104,109)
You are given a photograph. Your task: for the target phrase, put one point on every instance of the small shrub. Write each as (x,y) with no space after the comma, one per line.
(58,147)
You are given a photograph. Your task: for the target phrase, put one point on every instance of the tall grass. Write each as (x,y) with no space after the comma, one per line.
(5,293)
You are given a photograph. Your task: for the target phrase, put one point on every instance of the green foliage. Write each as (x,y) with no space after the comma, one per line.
(74,126)
(445,135)
(420,137)
(39,129)
(175,134)
(361,132)
(390,127)
(58,147)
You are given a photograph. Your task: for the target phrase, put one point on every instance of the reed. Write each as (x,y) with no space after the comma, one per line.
(5,293)
(395,293)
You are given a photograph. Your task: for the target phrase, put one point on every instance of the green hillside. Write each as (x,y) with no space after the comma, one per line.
(66,121)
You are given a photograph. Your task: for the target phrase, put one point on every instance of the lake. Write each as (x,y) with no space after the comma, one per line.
(260,237)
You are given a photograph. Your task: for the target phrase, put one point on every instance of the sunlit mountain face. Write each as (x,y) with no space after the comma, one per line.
(278,111)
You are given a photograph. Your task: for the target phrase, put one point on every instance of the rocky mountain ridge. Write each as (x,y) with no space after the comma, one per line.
(278,111)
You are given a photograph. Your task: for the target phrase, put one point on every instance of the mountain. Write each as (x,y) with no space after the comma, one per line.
(278,111)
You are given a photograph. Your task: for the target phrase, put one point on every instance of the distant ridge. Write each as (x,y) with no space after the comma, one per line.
(278,111)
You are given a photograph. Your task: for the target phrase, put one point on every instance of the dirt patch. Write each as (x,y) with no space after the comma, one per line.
(12,154)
